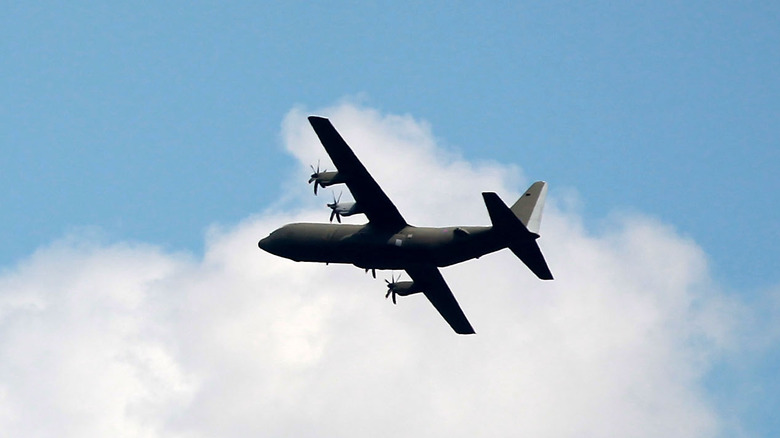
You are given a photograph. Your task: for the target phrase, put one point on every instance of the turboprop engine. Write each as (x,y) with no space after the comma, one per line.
(323,178)
(402,288)
(339,208)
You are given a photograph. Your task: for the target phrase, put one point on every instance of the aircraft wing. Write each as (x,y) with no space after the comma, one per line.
(368,195)
(434,287)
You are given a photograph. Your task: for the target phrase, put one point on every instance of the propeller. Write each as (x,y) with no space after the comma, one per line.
(315,174)
(334,206)
(391,286)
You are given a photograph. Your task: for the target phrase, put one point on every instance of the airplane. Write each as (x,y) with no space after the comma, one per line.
(388,242)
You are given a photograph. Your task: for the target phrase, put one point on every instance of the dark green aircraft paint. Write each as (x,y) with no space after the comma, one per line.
(388,242)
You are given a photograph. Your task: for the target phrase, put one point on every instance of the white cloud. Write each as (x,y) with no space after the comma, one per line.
(128,340)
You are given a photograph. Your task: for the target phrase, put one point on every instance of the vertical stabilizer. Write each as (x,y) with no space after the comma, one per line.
(529,207)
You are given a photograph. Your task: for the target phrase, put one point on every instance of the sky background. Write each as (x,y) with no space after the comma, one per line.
(144,145)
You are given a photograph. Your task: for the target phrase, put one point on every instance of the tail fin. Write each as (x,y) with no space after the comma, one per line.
(521,241)
(528,207)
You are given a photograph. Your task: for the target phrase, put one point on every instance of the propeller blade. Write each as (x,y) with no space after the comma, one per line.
(338,216)
(314,173)
(394,298)
(332,213)
(316,183)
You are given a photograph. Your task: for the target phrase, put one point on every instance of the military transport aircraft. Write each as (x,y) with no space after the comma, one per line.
(388,242)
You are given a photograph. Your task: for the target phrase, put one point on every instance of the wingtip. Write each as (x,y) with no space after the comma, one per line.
(319,122)
(464,329)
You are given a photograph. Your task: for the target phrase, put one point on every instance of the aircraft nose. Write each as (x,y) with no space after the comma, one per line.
(265,244)
(275,243)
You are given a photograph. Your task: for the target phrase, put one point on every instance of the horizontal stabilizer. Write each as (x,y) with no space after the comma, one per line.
(521,241)
(531,255)
(503,219)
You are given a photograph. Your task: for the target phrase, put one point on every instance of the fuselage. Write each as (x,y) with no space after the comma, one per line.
(369,248)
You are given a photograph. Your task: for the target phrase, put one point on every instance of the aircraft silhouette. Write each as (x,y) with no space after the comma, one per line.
(388,242)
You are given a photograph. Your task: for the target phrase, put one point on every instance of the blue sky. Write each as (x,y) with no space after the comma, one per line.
(150,124)
(153,123)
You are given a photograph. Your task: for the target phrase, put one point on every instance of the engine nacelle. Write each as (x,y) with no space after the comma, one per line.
(404,288)
(325,179)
